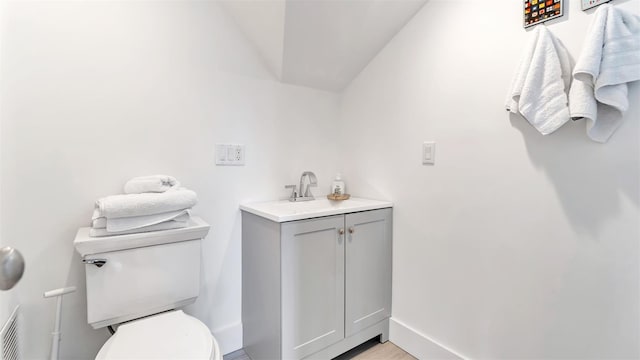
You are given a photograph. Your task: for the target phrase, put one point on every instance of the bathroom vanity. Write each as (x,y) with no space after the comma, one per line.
(316,277)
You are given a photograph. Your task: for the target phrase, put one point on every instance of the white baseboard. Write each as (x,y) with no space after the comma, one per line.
(229,337)
(417,344)
(410,340)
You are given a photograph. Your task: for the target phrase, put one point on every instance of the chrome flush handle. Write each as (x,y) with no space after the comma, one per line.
(97,262)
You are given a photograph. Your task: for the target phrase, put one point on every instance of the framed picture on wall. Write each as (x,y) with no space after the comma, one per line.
(588,4)
(539,11)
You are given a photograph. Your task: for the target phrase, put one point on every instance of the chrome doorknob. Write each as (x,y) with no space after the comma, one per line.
(11,267)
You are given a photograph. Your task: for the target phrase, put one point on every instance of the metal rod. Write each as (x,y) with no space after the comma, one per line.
(55,335)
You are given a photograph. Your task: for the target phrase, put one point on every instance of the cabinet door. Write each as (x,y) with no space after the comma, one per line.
(312,285)
(368,269)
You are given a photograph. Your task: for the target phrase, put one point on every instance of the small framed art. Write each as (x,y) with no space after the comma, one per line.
(588,4)
(539,11)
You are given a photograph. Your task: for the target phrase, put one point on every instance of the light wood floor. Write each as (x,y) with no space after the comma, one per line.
(371,350)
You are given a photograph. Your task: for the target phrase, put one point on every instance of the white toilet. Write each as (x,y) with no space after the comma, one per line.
(139,282)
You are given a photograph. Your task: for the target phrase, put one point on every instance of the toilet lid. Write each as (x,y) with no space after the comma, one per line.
(170,335)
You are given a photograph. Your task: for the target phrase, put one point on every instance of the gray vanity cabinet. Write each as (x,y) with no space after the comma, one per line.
(312,285)
(317,287)
(368,273)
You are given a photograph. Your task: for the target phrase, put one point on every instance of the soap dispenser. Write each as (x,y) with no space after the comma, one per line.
(337,186)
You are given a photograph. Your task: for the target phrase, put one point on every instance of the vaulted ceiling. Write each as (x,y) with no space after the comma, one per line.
(321,44)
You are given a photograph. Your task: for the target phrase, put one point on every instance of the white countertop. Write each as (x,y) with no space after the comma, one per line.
(285,210)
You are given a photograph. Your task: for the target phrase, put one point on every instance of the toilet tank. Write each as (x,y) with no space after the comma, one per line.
(144,273)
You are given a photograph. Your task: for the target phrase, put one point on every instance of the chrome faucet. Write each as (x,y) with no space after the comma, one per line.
(313,181)
(303,193)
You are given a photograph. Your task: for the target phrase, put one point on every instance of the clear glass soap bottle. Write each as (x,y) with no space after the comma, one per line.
(337,186)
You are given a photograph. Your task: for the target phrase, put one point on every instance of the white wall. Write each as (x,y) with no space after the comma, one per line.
(7,298)
(94,93)
(514,245)
(4,297)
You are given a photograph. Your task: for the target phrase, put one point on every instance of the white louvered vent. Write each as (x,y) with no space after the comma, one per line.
(9,345)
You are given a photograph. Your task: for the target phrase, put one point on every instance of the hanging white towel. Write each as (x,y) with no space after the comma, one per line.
(540,86)
(609,60)
(152,183)
(120,206)
(171,224)
(136,222)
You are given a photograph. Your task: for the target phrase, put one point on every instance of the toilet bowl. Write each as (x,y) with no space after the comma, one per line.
(170,335)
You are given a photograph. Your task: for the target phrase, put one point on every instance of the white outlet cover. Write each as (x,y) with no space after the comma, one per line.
(230,154)
(429,152)
(238,154)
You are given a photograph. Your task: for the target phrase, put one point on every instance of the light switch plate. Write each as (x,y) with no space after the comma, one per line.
(230,154)
(429,152)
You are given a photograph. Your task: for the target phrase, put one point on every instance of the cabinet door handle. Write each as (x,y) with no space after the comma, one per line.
(351,230)
(341,231)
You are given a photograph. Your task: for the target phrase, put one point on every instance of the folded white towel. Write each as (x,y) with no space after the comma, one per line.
(152,183)
(609,60)
(136,222)
(120,206)
(540,86)
(171,224)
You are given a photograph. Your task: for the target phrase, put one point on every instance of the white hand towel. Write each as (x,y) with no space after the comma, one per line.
(609,60)
(171,224)
(136,222)
(120,206)
(153,183)
(540,86)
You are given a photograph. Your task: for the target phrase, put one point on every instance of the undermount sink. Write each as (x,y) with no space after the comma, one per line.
(284,210)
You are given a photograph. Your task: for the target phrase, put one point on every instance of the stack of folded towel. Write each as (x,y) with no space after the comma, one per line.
(150,203)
